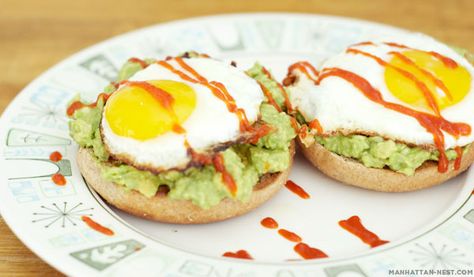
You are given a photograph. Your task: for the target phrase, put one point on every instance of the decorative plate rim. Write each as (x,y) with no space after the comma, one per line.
(67,267)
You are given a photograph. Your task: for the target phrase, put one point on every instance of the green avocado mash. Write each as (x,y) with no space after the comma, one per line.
(256,72)
(203,186)
(377,152)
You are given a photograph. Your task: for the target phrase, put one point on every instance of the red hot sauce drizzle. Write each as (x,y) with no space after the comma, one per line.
(448,62)
(303,131)
(434,124)
(437,81)
(260,132)
(289,235)
(269,96)
(55,156)
(165,99)
(161,96)
(304,66)
(77,105)
(294,124)
(220,91)
(59,179)
(240,254)
(304,250)
(429,98)
(293,187)
(283,91)
(96,226)
(362,43)
(354,226)
(244,122)
(269,223)
(457,162)
(142,63)
(218,162)
(198,158)
(217,89)
(394,44)
(307,252)
(314,124)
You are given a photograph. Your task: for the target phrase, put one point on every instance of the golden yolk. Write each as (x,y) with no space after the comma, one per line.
(456,80)
(135,113)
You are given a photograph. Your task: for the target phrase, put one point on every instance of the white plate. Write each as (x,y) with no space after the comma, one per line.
(432,228)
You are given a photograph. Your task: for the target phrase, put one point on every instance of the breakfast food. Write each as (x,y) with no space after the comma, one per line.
(388,115)
(185,140)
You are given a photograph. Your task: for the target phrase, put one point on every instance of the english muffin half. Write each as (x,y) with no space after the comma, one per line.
(187,139)
(391,114)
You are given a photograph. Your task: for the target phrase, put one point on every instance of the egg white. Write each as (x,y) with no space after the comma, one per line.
(338,105)
(209,125)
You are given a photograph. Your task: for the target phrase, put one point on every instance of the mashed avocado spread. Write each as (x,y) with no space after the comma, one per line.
(378,152)
(203,186)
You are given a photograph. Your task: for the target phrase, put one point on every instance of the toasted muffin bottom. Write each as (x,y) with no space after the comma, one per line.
(352,172)
(162,208)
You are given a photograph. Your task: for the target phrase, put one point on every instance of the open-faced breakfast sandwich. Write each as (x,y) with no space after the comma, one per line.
(388,115)
(188,139)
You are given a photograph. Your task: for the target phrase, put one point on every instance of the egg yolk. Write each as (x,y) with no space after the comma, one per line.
(134,112)
(432,72)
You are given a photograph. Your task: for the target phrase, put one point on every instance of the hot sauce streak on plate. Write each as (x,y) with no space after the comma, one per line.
(269,223)
(293,187)
(354,226)
(96,226)
(307,252)
(55,156)
(289,235)
(241,254)
(301,248)
(59,179)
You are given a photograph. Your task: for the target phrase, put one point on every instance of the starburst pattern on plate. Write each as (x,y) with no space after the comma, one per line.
(61,214)
(442,257)
(44,113)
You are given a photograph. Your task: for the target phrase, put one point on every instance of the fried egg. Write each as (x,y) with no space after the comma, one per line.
(407,75)
(155,117)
